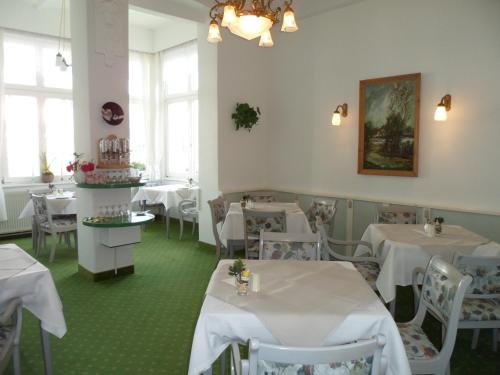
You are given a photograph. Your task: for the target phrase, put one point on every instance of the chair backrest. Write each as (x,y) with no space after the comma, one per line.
(485,273)
(218,212)
(325,209)
(269,221)
(326,249)
(40,208)
(262,196)
(443,291)
(186,203)
(289,246)
(396,215)
(363,356)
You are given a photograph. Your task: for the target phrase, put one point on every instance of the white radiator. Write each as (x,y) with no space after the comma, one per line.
(15,201)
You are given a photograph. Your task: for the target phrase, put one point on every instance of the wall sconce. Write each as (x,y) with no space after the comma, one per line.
(340,111)
(442,109)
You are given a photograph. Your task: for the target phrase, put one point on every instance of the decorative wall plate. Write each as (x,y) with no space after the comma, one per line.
(112,113)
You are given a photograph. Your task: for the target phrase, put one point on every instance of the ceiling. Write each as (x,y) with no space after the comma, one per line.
(302,8)
(152,21)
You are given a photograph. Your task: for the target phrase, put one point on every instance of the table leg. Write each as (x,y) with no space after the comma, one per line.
(223,362)
(392,307)
(47,359)
(208,372)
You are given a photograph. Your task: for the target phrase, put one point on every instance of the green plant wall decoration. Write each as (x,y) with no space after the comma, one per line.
(245,116)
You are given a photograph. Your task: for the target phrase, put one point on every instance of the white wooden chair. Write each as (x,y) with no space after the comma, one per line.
(481,306)
(395,214)
(363,356)
(289,246)
(49,225)
(262,196)
(187,210)
(368,266)
(218,212)
(254,221)
(11,321)
(325,209)
(443,291)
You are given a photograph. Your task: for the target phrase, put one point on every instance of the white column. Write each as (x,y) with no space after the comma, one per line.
(99,30)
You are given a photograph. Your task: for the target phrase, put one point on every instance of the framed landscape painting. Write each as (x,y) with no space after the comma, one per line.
(388,125)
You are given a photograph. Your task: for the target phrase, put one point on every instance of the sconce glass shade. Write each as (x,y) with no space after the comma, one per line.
(266,40)
(214,32)
(441,114)
(229,16)
(249,26)
(336,118)
(289,24)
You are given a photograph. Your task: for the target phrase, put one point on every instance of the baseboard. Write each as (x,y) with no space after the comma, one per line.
(105,275)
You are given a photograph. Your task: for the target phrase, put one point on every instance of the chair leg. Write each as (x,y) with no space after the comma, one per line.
(17,360)
(392,307)
(194,226)
(75,235)
(167,221)
(53,247)
(181,222)
(475,338)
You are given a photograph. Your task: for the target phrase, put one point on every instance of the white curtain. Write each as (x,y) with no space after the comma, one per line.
(3,166)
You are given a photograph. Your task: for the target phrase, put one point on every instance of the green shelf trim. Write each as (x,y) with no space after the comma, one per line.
(114,222)
(111,186)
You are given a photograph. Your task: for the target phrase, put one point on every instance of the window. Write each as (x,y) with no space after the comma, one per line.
(38,113)
(179,70)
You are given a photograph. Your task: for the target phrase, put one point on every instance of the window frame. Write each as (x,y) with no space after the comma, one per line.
(38,91)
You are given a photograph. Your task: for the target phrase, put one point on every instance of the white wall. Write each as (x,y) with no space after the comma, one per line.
(455,44)
(208,139)
(140,39)
(244,76)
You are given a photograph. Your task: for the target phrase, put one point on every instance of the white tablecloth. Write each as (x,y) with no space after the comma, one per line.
(168,195)
(232,229)
(221,323)
(24,277)
(403,247)
(59,204)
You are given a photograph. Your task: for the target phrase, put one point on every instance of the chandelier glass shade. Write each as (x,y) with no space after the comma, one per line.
(249,19)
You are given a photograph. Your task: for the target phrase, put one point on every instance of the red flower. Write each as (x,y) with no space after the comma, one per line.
(69,168)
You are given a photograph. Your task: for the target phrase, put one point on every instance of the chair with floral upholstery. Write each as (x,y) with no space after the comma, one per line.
(49,224)
(362,357)
(254,221)
(187,210)
(396,215)
(289,246)
(367,266)
(325,210)
(481,306)
(443,291)
(218,212)
(11,321)
(262,196)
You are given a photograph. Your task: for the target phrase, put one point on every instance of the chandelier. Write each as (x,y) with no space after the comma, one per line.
(250,19)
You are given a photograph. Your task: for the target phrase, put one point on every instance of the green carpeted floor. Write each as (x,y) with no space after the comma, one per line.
(144,323)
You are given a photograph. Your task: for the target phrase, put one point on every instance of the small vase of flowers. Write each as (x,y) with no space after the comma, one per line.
(80,168)
(242,276)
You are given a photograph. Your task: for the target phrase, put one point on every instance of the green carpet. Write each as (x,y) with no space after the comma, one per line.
(144,323)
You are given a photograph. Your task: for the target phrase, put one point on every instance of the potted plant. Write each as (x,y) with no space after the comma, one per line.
(46,174)
(245,116)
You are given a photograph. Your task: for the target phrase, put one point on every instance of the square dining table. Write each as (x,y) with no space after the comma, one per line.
(300,303)
(22,276)
(232,229)
(404,247)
